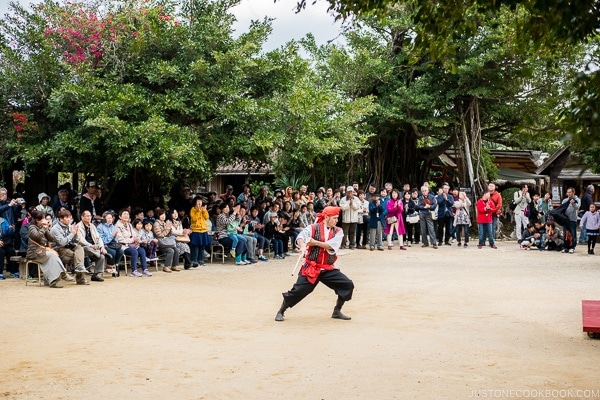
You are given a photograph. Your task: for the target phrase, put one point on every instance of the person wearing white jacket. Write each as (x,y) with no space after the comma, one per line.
(350,206)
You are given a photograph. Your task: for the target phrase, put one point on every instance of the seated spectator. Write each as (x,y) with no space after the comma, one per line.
(131,243)
(6,249)
(162,230)
(44,205)
(272,234)
(222,222)
(554,239)
(256,228)
(39,250)
(67,247)
(148,241)
(274,210)
(93,246)
(251,241)
(182,244)
(244,197)
(110,236)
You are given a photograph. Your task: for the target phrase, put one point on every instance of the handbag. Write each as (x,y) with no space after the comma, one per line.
(412,218)
(391,220)
(167,241)
(434,214)
(183,238)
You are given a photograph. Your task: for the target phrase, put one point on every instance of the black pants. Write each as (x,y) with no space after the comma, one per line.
(443,229)
(6,252)
(334,279)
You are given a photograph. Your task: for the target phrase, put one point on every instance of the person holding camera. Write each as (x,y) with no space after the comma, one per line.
(65,244)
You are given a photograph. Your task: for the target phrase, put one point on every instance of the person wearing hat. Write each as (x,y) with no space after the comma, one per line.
(318,246)
(44,206)
(91,201)
(350,205)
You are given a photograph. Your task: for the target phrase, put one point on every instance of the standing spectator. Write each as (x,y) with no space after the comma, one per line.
(362,230)
(8,208)
(395,221)
(592,219)
(521,199)
(462,218)
(350,206)
(375,224)
(572,211)
(199,238)
(586,200)
(485,211)
(91,201)
(427,205)
(6,248)
(496,198)
(370,191)
(545,206)
(413,230)
(445,201)
(320,202)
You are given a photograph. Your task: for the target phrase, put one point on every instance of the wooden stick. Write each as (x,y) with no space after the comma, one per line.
(300,258)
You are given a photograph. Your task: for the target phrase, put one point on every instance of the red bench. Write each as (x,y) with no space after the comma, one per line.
(590,310)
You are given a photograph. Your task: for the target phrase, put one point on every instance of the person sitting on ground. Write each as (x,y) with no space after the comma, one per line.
(554,239)
(109,234)
(39,250)
(66,245)
(532,238)
(93,246)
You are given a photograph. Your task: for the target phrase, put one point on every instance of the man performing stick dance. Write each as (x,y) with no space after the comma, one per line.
(318,244)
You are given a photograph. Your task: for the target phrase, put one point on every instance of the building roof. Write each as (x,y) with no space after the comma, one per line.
(243,168)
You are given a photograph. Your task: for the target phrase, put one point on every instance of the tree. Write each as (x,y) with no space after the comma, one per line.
(480,99)
(544,27)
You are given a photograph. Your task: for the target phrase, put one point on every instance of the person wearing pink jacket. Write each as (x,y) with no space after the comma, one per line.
(395,220)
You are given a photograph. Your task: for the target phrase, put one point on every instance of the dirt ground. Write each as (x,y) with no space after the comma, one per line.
(449,324)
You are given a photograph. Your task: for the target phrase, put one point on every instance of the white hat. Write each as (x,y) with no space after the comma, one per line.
(350,189)
(41,196)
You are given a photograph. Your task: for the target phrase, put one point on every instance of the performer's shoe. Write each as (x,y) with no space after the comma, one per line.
(279,316)
(339,315)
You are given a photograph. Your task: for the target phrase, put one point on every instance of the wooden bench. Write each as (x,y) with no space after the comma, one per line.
(590,310)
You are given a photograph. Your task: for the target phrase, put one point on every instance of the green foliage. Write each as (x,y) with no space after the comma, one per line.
(295,180)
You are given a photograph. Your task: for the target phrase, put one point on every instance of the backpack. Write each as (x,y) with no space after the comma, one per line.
(513,205)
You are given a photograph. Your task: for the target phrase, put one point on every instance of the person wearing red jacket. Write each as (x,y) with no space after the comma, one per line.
(496,198)
(485,213)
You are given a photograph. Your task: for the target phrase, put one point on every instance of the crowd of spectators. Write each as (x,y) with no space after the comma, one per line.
(88,238)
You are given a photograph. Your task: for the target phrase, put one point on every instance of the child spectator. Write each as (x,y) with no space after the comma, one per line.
(591,220)
(148,241)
